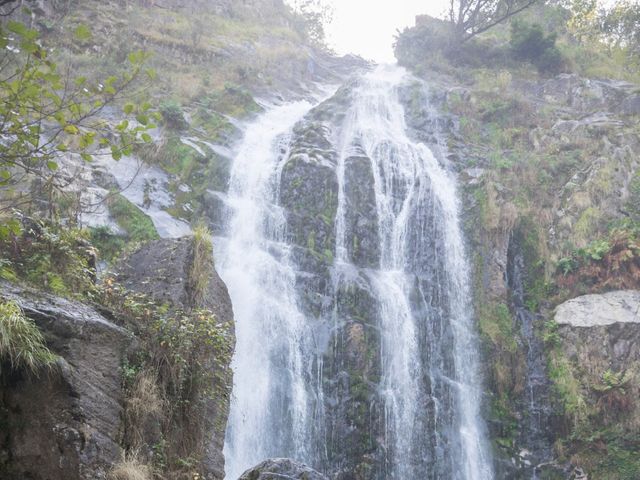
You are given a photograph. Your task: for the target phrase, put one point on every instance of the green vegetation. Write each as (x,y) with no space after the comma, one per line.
(49,256)
(180,366)
(131,219)
(108,244)
(22,345)
(201,264)
(36,96)
(529,43)
(608,263)
(567,37)
(173,115)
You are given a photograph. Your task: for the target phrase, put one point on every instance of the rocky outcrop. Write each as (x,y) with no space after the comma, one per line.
(601,331)
(281,469)
(600,310)
(65,424)
(597,369)
(162,270)
(70,423)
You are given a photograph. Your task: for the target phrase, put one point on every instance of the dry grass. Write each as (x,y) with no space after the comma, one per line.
(130,468)
(144,401)
(201,265)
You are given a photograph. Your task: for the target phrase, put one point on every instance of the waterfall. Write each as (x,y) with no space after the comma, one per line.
(271,402)
(415,279)
(429,353)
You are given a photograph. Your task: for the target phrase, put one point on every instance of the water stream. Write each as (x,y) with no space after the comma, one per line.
(429,384)
(429,353)
(272,395)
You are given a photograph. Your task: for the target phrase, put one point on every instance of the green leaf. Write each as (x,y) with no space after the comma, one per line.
(128,108)
(82,33)
(51,165)
(17,27)
(86,157)
(115,153)
(142,118)
(71,129)
(146,137)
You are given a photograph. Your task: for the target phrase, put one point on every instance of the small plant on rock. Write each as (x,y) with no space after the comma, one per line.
(21,342)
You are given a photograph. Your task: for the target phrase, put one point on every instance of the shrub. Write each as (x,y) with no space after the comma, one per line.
(529,43)
(173,116)
(48,255)
(109,244)
(21,342)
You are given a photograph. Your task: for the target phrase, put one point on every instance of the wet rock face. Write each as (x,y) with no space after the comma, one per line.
(362,220)
(64,425)
(281,469)
(344,307)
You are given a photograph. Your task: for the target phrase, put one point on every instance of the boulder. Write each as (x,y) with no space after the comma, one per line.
(281,469)
(160,269)
(65,424)
(600,310)
(600,334)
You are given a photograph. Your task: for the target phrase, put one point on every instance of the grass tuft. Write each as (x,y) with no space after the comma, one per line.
(130,468)
(21,342)
(201,264)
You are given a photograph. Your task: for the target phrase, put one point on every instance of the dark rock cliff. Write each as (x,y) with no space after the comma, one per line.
(69,423)
(66,423)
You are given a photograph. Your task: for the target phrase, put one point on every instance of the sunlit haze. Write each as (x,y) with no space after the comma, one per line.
(367,27)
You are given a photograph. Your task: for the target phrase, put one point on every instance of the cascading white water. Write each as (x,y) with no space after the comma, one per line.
(272,394)
(408,181)
(419,284)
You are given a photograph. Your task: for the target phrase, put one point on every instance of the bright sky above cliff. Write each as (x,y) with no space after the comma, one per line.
(367,27)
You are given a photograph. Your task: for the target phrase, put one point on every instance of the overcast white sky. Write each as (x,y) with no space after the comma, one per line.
(367,27)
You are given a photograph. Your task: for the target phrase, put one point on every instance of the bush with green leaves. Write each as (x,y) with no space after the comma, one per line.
(173,116)
(49,256)
(45,113)
(530,43)
(137,225)
(22,345)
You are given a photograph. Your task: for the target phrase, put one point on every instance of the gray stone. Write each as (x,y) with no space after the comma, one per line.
(65,425)
(631,105)
(600,310)
(281,469)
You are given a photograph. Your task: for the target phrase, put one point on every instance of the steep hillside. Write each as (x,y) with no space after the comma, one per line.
(549,160)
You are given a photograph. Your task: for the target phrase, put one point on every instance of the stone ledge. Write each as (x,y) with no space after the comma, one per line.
(599,310)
